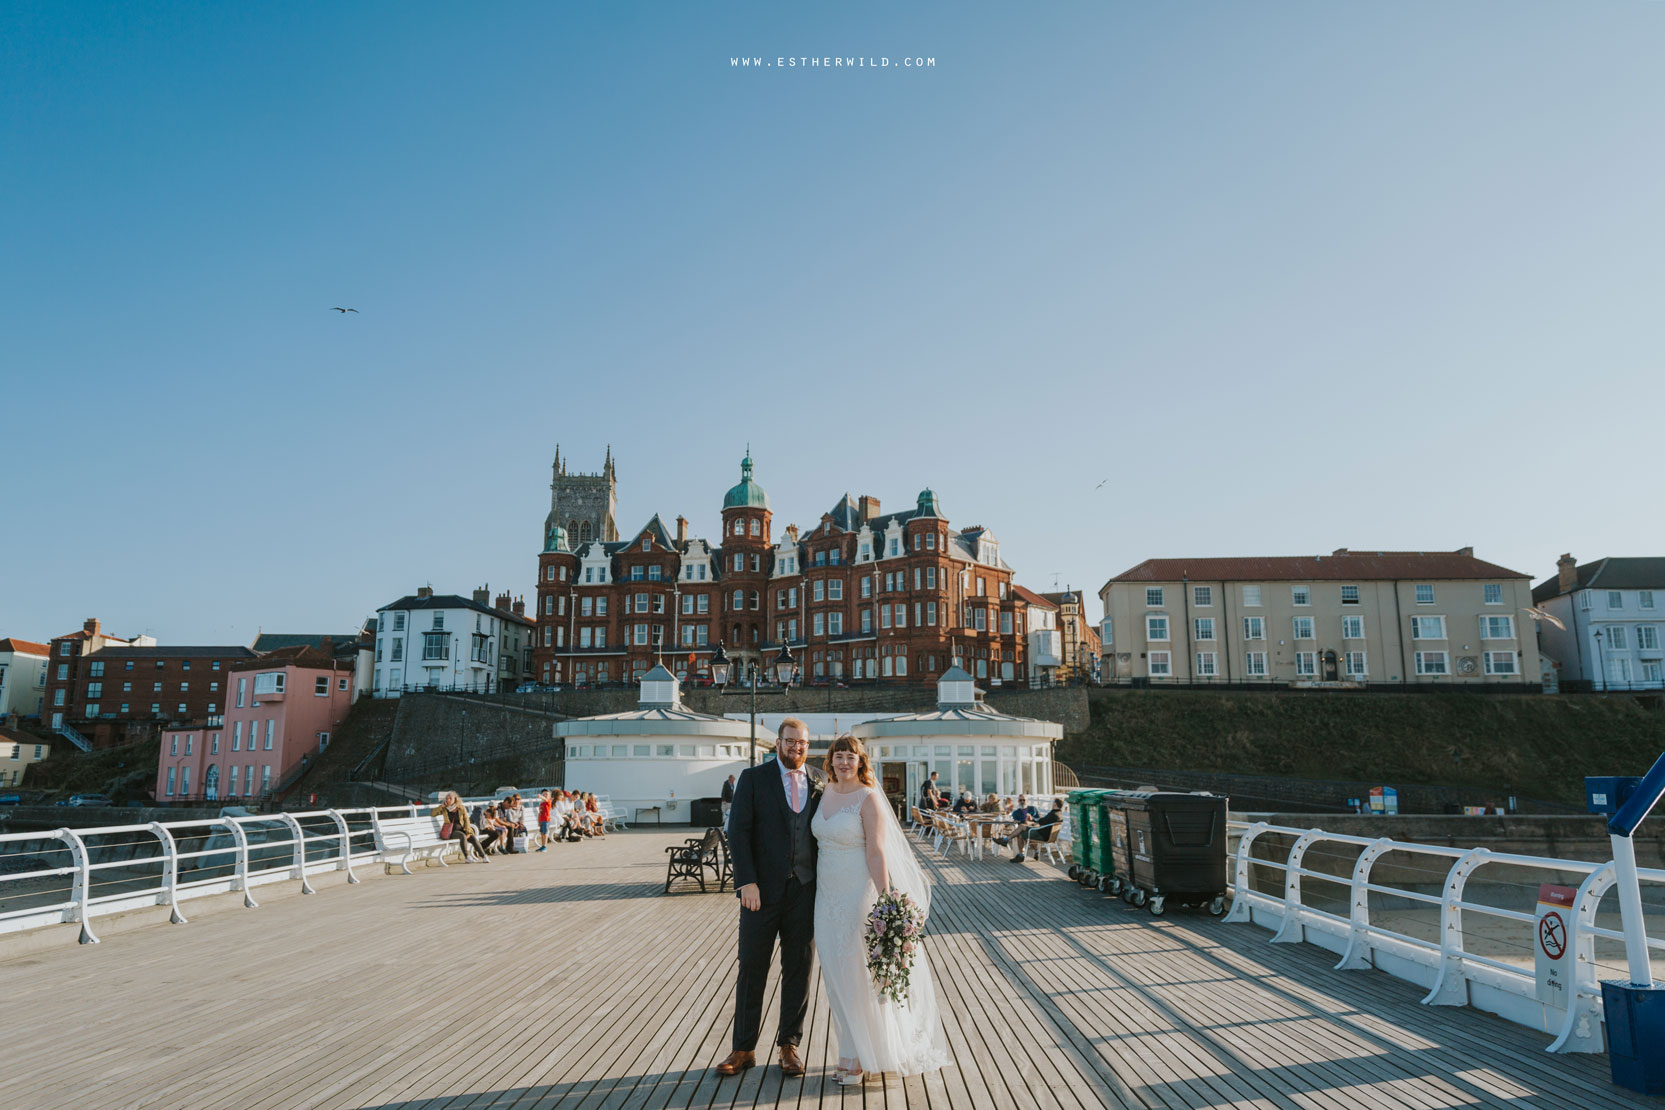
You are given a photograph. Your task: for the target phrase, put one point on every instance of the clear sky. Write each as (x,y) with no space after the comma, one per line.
(1284,277)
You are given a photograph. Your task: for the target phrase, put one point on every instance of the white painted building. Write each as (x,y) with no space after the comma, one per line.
(969,745)
(654,760)
(429,641)
(1614,616)
(22,677)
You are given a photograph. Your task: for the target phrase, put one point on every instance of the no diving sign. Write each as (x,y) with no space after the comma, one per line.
(1554,932)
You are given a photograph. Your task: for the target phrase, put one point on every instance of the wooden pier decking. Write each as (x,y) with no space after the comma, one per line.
(568,979)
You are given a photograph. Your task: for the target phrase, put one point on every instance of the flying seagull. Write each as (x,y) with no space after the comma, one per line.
(1539,615)
(344,309)
(1101,484)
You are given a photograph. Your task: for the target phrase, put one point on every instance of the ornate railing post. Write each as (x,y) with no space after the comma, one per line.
(1451,985)
(170,872)
(1581,1027)
(300,850)
(81,888)
(1293,929)
(241,836)
(1240,879)
(1358,954)
(346,862)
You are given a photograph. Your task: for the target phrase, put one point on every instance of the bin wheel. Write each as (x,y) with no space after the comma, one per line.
(1217,907)
(1157,905)
(1075,872)
(1106,884)
(1139,897)
(1115,886)
(1127,894)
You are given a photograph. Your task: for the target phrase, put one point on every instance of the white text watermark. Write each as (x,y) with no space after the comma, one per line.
(872,62)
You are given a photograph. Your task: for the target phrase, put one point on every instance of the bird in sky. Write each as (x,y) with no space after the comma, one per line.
(1539,615)
(1101,484)
(338,309)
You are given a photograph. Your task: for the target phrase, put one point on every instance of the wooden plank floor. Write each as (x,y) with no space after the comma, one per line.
(399,993)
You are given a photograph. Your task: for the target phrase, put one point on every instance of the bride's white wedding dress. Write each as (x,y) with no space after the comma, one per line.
(881,1035)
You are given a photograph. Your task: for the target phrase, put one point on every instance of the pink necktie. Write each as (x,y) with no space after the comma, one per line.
(792,777)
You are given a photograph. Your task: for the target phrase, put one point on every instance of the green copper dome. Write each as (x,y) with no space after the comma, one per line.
(556,539)
(748,494)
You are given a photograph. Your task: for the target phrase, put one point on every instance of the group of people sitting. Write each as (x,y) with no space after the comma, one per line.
(491,828)
(1031,827)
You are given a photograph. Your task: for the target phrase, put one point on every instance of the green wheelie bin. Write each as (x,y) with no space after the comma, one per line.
(1081,854)
(1106,875)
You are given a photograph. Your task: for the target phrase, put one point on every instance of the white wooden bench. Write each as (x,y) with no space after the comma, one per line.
(414,837)
(612,817)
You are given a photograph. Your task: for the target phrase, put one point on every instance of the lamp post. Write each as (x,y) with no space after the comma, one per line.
(720,669)
(1601,664)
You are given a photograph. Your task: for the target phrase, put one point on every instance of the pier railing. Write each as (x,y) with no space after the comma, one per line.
(77,875)
(1457,967)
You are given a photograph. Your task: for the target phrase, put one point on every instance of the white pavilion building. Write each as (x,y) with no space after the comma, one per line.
(968,744)
(653,761)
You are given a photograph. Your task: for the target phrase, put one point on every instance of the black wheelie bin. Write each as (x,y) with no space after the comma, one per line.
(1176,850)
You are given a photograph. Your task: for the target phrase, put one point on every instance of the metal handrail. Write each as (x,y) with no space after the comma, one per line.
(1446,968)
(249,861)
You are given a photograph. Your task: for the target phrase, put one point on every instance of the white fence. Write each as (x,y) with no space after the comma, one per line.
(76,875)
(1452,973)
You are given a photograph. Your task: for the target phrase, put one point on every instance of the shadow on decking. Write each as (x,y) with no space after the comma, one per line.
(670,1090)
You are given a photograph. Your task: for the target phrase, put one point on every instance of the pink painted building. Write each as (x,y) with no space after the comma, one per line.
(280,712)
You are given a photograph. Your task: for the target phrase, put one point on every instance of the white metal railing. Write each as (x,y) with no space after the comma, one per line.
(114,868)
(1452,975)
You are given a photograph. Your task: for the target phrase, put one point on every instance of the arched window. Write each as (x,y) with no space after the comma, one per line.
(211,782)
(584,532)
(757,528)
(739,528)
(572,529)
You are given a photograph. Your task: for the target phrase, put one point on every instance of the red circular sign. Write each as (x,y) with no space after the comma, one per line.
(1552,935)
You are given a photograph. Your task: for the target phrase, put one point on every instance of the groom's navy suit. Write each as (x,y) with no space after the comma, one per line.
(771,846)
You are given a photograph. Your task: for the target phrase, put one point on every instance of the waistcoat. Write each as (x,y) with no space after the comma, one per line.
(803,844)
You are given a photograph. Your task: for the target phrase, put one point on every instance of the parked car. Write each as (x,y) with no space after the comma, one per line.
(12,799)
(88,800)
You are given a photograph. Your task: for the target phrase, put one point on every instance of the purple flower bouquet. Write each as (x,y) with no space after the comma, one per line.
(893,933)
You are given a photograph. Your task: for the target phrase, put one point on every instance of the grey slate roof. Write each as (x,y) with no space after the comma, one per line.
(1645,573)
(179,651)
(452,601)
(344,644)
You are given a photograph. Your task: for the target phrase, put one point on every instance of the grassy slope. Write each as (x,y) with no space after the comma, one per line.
(127,773)
(1537,746)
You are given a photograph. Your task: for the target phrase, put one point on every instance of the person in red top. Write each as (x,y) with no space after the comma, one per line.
(545,802)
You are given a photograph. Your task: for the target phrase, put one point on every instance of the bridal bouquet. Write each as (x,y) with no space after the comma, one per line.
(894,931)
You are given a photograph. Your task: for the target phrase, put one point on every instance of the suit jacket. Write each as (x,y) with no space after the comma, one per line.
(759,839)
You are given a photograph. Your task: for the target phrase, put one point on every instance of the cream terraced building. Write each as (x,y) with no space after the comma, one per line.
(1348,619)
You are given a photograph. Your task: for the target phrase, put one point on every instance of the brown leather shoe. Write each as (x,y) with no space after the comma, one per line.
(738,1062)
(790,1065)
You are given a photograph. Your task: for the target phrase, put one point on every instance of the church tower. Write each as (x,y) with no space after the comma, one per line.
(583,504)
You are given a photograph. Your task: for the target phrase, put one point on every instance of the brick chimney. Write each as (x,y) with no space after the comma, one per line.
(520,607)
(681,529)
(424,592)
(1339,551)
(1469,551)
(502,601)
(1567,572)
(868,507)
(90,626)
(482,595)
(792,532)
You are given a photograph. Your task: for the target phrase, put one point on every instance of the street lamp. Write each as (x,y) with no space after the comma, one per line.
(1601,664)
(721,667)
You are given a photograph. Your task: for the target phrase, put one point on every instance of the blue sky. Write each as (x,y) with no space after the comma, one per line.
(1285,277)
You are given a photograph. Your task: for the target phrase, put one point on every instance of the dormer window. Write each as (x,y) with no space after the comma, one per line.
(647,544)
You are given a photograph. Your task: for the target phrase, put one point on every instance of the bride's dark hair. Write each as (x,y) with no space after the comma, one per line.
(864,766)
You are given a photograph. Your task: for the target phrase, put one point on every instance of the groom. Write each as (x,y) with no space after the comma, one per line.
(774,874)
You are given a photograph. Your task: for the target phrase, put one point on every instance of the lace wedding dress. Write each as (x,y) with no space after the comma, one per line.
(880,1035)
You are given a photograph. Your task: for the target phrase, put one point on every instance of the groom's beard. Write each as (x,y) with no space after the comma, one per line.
(789,763)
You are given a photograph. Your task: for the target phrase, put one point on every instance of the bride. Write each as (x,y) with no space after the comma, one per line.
(861,850)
